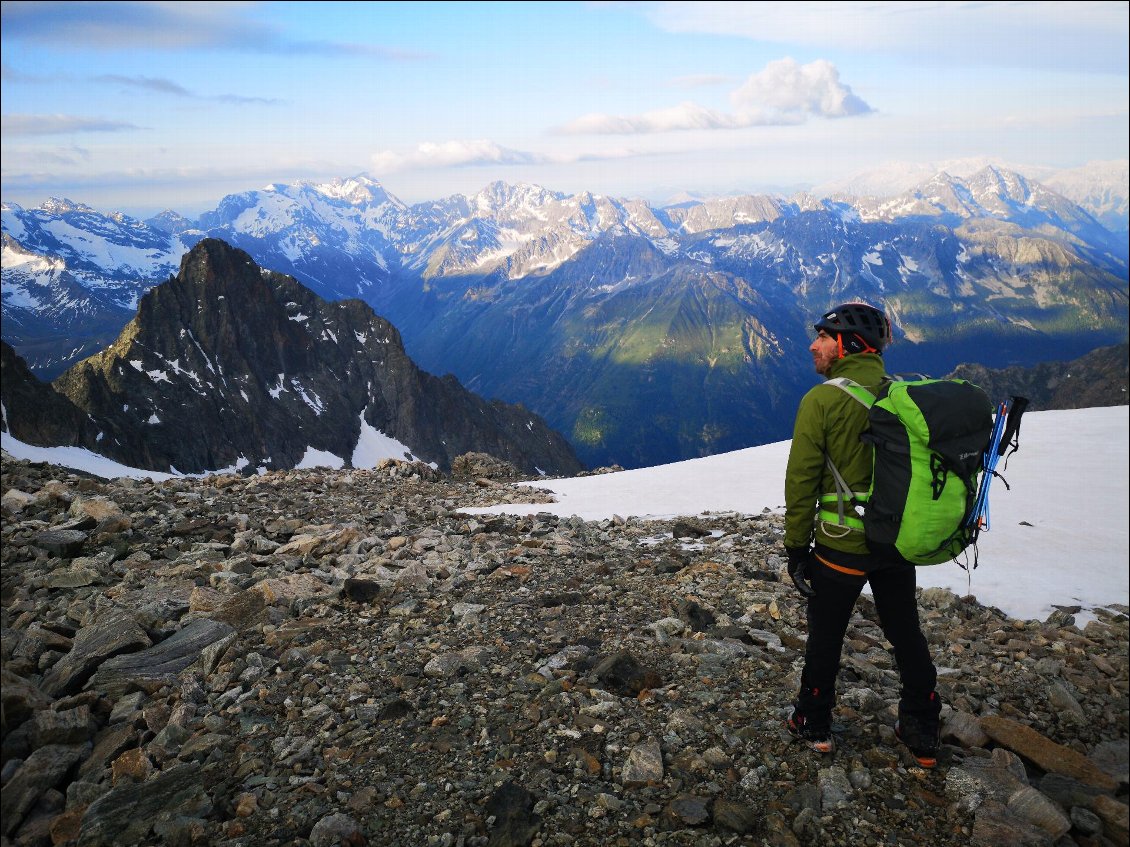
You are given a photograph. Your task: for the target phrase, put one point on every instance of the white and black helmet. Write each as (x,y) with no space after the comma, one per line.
(857,319)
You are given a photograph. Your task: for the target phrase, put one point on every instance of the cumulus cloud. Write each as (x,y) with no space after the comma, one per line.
(788,87)
(785,93)
(13,125)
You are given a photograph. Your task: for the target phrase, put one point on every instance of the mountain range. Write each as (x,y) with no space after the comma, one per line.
(230,366)
(643,334)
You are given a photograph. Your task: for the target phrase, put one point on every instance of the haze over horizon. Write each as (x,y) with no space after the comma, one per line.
(138,107)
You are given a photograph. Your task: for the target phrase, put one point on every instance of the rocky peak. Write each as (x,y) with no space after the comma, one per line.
(61,206)
(228,365)
(359,190)
(505,199)
(169,221)
(727,212)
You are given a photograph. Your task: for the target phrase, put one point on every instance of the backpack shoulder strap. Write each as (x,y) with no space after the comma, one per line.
(907,377)
(854,390)
(844,518)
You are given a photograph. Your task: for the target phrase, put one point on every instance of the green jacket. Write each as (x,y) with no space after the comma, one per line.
(829,422)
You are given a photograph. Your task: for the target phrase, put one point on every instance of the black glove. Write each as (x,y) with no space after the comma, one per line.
(799,559)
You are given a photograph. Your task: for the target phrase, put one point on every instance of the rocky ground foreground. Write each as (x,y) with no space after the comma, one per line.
(344,658)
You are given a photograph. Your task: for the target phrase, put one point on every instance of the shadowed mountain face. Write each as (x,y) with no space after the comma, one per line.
(230,365)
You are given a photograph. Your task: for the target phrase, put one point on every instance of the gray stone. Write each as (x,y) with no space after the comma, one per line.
(65,543)
(1063,700)
(1113,757)
(108,745)
(16,500)
(1086,821)
(736,816)
(336,829)
(965,729)
(997,777)
(996,826)
(93,645)
(515,823)
(1030,805)
(41,771)
(159,665)
(73,577)
(644,765)
(686,810)
(68,727)
(21,699)
(835,788)
(126,813)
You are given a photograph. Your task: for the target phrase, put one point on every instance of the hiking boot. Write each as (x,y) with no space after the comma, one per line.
(818,737)
(920,735)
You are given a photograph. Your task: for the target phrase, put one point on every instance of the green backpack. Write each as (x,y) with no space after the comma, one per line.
(930,438)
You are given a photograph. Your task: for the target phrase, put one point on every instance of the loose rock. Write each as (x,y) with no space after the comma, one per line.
(349,657)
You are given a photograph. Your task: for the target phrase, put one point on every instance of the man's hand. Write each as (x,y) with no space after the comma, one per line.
(799,559)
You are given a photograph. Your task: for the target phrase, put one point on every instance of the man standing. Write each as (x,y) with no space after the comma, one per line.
(829,562)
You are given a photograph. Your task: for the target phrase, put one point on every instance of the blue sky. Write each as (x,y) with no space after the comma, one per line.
(139,107)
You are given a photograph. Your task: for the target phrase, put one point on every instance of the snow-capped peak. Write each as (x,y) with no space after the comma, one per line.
(359,190)
(499,196)
(60,206)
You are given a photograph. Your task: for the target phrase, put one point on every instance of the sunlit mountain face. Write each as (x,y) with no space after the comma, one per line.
(643,334)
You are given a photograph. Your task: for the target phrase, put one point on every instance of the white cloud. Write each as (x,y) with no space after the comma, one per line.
(1079,35)
(451,154)
(236,25)
(431,155)
(847,24)
(785,93)
(683,116)
(58,125)
(790,87)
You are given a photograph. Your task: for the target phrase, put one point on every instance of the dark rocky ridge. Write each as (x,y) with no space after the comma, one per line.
(345,658)
(228,363)
(1099,378)
(38,414)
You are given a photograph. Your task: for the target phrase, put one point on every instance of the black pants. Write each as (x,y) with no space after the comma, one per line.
(892,587)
